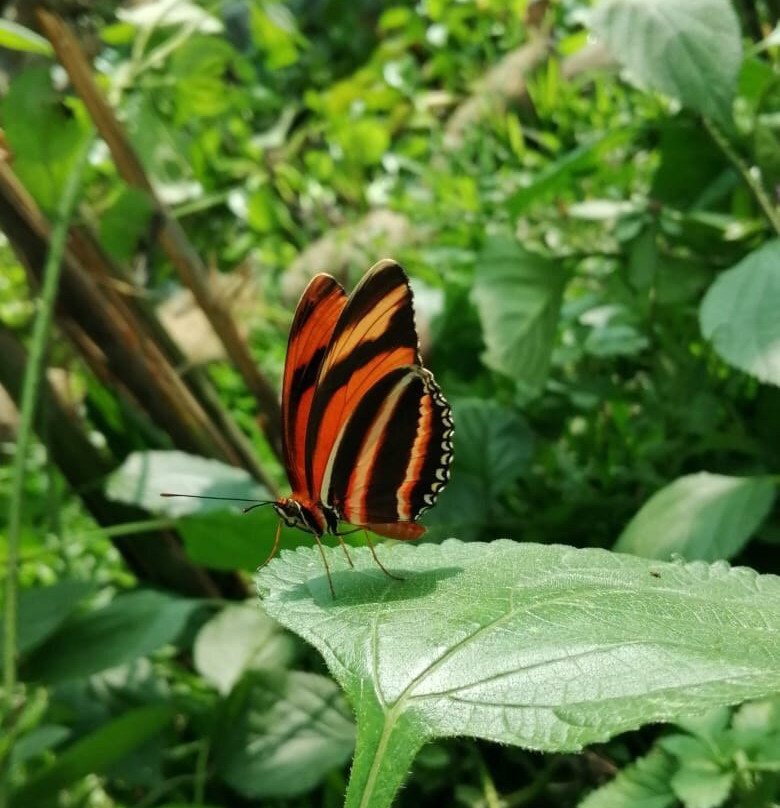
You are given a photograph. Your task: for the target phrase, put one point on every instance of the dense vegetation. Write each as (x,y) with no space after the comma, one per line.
(586,199)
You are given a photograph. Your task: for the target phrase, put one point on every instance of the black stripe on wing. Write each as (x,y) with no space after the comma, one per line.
(394,454)
(374,335)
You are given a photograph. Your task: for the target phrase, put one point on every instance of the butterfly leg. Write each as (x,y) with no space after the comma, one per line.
(274,548)
(379,563)
(327,568)
(344,548)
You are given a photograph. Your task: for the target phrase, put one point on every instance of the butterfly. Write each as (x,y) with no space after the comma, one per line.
(366,432)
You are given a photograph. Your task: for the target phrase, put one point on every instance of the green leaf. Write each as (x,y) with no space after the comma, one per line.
(230,540)
(41,611)
(16,37)
(518,297)
(95,753)
(129,627)
(215,533)
(45,135)
(238,639)
(285,732)
(275,30)
(739,314)
(38,741)
(700,516)
(642,784)
(544,647)
(125,224)
(691,51)
(145,475)
(364,142)
(492,450)
(560,175)
(702,785)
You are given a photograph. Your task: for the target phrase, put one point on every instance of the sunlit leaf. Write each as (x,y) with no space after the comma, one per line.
(284,732)
(544,647)
(145,475)
(16,37)
(689,50)
(239,638)
(739,314)
(518,297)
(700,516)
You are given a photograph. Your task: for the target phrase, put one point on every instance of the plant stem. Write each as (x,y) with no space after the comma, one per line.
(771,211)
(41,328)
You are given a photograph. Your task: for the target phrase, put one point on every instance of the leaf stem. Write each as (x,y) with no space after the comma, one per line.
(753,182)
(41,329)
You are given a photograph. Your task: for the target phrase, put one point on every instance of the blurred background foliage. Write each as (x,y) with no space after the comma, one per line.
(562,222)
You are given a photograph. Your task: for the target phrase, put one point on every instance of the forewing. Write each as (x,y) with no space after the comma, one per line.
(315,319)
(392,456)
(375,334)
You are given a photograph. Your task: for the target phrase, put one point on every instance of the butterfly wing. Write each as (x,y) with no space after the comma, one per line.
(393,455)
(378,443)
(315,318)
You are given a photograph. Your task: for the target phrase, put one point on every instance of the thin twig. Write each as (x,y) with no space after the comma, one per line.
(171,236)
(32,376)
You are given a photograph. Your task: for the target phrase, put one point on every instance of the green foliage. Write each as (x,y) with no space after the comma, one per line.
(594,255)
(705,516)
(717,756)
(666,46)
(282,733)
(96,752)
(747,295)
(518,297)
(16,37)
(477,639)
(129,627)
(47,135)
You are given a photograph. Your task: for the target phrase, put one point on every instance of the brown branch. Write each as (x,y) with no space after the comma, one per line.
(157,556)
(174,241)
(108,336)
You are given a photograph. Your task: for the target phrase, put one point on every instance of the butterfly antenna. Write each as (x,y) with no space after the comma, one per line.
(256,502)
(379,563)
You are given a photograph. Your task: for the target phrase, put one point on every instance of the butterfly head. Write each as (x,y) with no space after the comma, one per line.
(301,514)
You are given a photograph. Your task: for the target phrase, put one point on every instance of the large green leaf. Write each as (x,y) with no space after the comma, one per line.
(42,610)
(284,731)
(703,516)
(129,627)
(518,297)
(689,50)
(739,314)
(240,638)
(16,37)
(493,447)
(95,753)
(215,533)
(644,783)
(145,475)
(546,647)
(45,135)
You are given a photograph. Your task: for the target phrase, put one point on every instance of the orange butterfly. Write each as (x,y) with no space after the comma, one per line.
(366,431)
